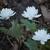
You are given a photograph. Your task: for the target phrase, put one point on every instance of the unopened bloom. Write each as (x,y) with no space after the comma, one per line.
(41,35)
(6,13)
(30,13)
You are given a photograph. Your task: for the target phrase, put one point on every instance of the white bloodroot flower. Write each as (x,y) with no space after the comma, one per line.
(41,35)
(6,13)
(30,13)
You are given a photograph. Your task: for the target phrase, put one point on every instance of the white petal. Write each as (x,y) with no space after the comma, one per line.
(6,13)
(30,13)
(48,36)
(42,42)
(30,18)
(35,38)
(41,35)
(13,14)
(37,16)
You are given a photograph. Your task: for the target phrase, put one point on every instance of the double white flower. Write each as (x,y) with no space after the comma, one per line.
(41,35)
(30,13)
(6,13)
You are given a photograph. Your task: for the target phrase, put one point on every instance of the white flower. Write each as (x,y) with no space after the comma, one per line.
(6,13)
(30,13)
(41,35)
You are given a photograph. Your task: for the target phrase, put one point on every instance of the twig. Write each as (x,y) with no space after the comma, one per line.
(10,41)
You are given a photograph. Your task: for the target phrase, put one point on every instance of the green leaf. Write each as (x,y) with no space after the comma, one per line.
(15,30)
(32,45)
(30,25)
(2,29)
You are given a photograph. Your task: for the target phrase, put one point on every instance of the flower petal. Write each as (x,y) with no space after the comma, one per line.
(42,42)
(6,13)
